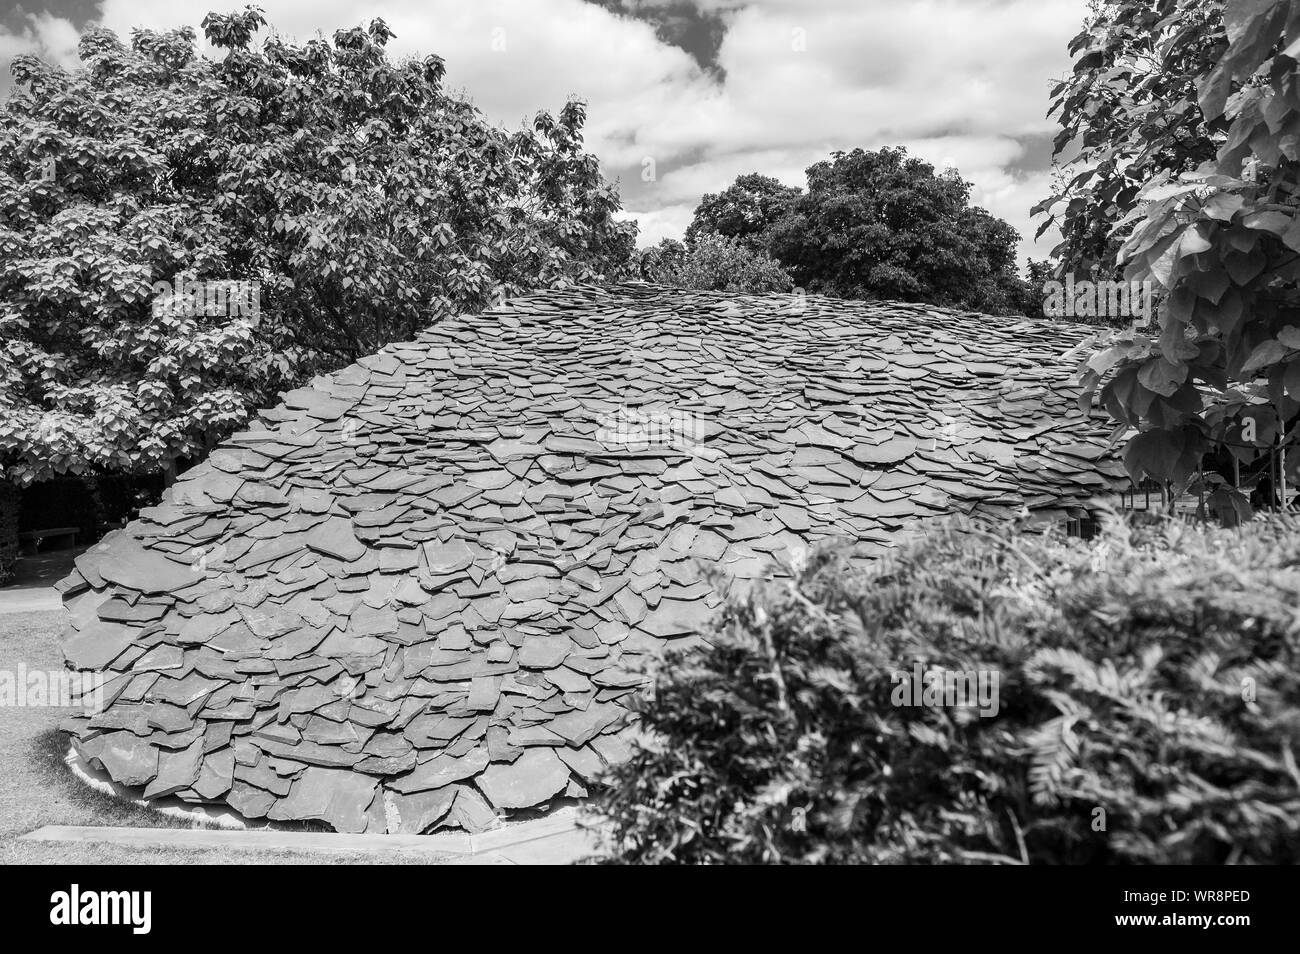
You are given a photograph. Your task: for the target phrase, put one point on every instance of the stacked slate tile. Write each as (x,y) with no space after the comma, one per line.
(423,591)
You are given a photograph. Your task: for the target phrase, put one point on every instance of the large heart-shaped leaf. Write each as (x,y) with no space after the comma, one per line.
(1162,376)
(1153,454)
(1264,354)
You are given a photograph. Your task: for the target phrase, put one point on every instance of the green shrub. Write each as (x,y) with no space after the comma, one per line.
(715,263)
(1148,708)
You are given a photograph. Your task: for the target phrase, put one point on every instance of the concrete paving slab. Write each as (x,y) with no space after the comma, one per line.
(561,837)
(555,850)
(490,858)
(32,588)
(265,840)
(29,599)
(546,841)
(561,822)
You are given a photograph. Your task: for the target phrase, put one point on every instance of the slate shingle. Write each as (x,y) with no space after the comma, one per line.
(423,590)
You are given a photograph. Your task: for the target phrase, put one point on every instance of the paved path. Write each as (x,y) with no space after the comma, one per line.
(29,599)
(557,839)
(32,590)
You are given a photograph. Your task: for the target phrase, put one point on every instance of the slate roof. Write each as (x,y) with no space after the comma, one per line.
(421,592)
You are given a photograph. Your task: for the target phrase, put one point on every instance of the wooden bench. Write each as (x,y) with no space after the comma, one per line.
(31,540)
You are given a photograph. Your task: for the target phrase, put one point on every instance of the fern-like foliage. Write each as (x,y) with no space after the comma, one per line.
(1148,708)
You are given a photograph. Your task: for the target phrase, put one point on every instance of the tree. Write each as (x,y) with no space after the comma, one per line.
(746,211)
(1128,112)
(661,262)
(389,204)
(107,188)
(347,201)
(885,225)
(1222,244)
(715,263)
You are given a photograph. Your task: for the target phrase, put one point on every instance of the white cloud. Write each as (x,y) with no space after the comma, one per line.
(956,82)
(53,39)
(959,81)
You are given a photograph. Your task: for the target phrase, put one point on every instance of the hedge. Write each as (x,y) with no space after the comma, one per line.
(1147,708)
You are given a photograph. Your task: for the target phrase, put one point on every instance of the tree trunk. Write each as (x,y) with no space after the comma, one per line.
(9,503)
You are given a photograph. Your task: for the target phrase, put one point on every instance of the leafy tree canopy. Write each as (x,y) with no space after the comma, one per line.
(344,200)
(746,211)
(1221,244)
(886,225)
(715,263)
(659,263)
(1128,112)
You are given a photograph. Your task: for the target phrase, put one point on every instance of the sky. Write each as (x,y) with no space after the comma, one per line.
(685,95)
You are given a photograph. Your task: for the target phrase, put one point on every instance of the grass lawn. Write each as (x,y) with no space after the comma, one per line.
(37,789)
